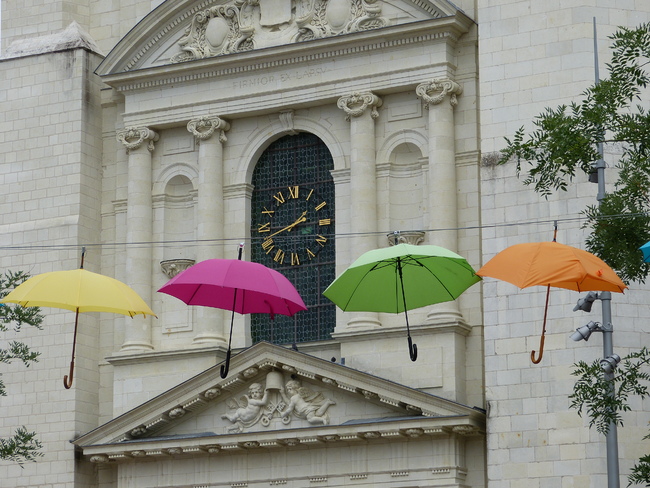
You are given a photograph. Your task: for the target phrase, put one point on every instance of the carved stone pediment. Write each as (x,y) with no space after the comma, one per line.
(276,398)
(243,25)
(189,30)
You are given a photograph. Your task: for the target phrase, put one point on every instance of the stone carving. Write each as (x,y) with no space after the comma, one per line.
(277,401)
(133,137)
(435,91)
(413,237)
(286,119)
(99,458)
(248,410)
(212,393)
(171,267)
(305,403)
(243,25)
(356,104)
(203,128)
(325,18)
(176,413)
(138,431)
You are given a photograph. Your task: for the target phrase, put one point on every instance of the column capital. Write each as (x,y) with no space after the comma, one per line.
(355,104)
(133,137)
(202,128)
(434,92)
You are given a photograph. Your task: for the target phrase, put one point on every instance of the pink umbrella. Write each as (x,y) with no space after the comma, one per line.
(236,285)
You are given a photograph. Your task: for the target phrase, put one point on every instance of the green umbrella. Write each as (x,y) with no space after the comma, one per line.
(400,278)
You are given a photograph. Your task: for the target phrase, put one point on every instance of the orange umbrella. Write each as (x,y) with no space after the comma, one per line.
(551,264)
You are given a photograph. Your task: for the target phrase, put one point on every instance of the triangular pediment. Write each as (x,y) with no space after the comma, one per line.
(275,397)
(181,31)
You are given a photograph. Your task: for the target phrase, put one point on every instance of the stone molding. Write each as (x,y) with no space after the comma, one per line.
(434,92)
(133,137)
(203,128)
(356,104)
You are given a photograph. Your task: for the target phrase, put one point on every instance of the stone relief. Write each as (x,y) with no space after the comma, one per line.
(243,25)
(280,400)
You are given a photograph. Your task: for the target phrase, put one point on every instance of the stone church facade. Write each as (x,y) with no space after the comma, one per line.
(161,134)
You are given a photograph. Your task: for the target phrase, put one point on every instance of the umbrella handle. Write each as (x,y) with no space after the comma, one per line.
(541,351)
(413,349)
(541,339)
(67,379)
(226,367)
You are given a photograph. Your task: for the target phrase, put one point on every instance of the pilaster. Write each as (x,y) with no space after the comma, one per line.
(139,144)
(209,132)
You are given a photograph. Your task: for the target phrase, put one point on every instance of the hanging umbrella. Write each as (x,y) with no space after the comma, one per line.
(646,252)
(78,290)
(401,278)
(240,286)
(551,264)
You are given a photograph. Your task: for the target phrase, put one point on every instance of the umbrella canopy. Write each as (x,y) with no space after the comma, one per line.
(78,290)
(239,286)
(401,278)
(551,264)
(646,252)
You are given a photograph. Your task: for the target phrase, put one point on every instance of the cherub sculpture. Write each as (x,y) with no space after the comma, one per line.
(249,409)
(305,403)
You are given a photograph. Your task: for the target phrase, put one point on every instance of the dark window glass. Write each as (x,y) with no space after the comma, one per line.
(293,185)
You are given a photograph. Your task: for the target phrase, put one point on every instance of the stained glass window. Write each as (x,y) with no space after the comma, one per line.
(294,191)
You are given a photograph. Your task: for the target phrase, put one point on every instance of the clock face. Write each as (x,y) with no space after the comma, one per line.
(293,225)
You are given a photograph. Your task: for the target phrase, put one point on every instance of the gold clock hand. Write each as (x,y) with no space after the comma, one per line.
(300,219)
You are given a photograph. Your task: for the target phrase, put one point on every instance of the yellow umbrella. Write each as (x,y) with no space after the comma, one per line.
(78,290)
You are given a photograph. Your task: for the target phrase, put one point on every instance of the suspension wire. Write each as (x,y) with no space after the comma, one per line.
(253,240)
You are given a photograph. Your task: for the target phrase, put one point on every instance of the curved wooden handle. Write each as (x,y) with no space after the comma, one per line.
(67,379)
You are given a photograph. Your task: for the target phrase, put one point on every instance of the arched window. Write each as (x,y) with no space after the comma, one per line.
(292,230)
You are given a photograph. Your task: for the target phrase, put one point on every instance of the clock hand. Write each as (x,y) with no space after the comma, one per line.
(299,220)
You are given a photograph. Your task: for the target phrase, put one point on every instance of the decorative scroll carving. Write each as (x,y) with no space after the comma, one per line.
(203,128)
(171,267)
(277,400)
(320,18)
(356,104)
(413,237)
(435,91)
(286,119)
(133,137)
(242,25)
(222,29)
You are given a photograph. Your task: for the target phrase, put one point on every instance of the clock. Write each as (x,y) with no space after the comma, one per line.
(293,225)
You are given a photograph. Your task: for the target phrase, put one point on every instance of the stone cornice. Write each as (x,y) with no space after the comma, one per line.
(207,443)
(198,393)
(447,29)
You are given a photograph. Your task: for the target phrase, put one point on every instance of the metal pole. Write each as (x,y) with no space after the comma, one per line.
(611,438)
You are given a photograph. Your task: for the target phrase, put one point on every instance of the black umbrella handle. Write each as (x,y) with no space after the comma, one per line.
(413,349)
(226,367)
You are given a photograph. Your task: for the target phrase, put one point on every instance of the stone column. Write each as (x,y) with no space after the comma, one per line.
(361,111)
(210,218)
(439,96)
(139,144)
